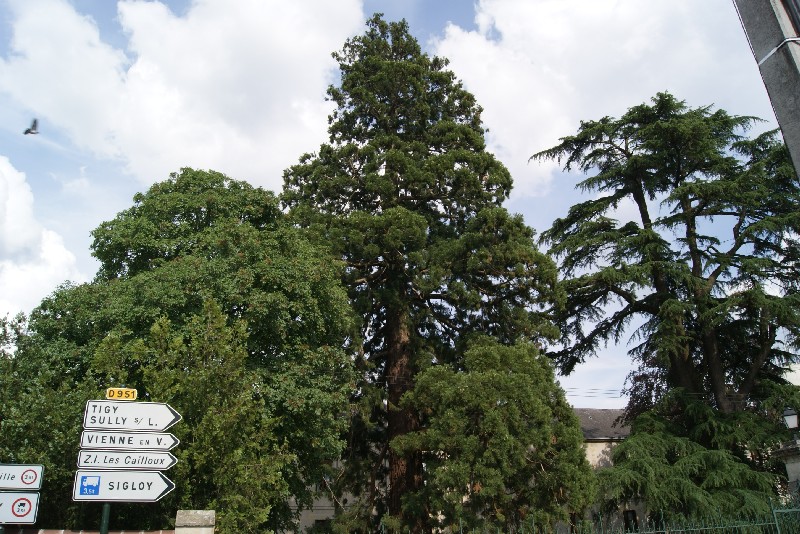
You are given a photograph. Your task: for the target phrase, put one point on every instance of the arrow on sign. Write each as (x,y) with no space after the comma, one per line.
(99,459)
(156,441)
(18,508)
(125,486)
(122,415)
(21,476)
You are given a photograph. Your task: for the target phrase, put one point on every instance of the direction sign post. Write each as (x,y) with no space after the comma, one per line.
(155,441)
(123,449)
(125,486)
(142,460)
(124,415)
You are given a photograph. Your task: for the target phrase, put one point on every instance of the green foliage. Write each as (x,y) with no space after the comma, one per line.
(41,413)
(704,268)
(678,478)
(500,443)
(180,217)
(217,236)
(195,241)
(407,195)
(231,458)
(406,191)
(702,272)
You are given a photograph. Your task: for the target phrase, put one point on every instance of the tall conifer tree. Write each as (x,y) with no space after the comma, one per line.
(707,262)
(407,195)
(689,245)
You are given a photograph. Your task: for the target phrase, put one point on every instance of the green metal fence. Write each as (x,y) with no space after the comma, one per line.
(783,519)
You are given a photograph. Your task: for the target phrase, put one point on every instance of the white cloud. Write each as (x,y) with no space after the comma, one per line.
(237,87)
(74,186)
(16,230)
(539,67)
(234,86)
(61,70)
(33,259)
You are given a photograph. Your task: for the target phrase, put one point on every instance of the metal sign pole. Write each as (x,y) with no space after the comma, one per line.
(105,518)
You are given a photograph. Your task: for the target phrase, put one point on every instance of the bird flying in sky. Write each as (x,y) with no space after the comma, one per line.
(33,129)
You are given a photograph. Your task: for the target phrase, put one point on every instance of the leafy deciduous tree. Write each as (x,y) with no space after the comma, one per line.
(197,238)
(41,409)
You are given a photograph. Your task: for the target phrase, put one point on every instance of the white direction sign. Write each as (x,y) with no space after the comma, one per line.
(156,441)
(125,486)
(20,476)
(99,459)
(125,415)
(18,508)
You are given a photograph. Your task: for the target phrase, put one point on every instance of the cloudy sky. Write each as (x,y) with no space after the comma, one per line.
(128,91)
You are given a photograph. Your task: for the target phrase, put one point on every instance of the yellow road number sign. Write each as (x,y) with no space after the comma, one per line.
(121,393)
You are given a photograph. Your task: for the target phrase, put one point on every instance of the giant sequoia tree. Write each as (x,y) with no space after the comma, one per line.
(689,244)
(407,195)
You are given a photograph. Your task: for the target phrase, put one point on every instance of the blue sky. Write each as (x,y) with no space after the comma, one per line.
(127,92)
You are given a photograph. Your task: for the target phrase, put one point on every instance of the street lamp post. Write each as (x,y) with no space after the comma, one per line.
(773,30)
(790,418)
(789,451)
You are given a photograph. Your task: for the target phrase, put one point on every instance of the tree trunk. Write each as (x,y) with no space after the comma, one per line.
(405,471)
(716,372)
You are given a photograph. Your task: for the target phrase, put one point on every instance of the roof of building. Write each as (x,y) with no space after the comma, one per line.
(602,424)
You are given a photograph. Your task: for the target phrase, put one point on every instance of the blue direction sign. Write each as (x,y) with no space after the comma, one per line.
(18,508)
(21,476)
(126,486)
(124,415)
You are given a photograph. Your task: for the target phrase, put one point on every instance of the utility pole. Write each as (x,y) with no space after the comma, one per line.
(773,29)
